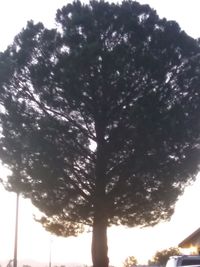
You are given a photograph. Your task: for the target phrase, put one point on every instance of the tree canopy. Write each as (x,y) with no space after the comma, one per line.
(100,117)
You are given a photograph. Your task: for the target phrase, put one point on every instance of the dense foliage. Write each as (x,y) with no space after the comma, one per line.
(100,117)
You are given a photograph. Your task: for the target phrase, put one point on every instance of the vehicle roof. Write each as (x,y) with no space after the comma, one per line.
(185,256)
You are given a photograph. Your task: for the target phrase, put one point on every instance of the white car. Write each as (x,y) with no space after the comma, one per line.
(183,260)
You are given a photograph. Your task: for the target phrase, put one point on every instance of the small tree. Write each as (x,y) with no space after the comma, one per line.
(100,118)
(161,257)
(130,261)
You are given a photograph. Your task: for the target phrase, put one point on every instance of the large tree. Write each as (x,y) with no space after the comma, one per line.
(100,118)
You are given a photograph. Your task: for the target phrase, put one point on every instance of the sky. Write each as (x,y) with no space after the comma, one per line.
(34,242)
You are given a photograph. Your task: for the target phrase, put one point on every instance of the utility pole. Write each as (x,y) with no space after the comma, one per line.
(16,232)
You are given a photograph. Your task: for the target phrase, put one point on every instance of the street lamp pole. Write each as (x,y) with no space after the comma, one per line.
(50,251)
(16,232)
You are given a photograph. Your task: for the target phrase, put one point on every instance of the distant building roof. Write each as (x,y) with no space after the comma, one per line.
(191,240)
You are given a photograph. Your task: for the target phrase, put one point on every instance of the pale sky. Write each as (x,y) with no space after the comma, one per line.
(34,242)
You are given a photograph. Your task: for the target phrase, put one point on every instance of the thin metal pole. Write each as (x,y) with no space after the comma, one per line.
(50,251)
(16,232)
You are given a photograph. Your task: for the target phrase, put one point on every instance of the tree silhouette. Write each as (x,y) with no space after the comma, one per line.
(130,261)
(161,257)
(100,118)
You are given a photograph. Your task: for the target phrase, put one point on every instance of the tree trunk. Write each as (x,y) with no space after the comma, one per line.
(99,241)
(100,220)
